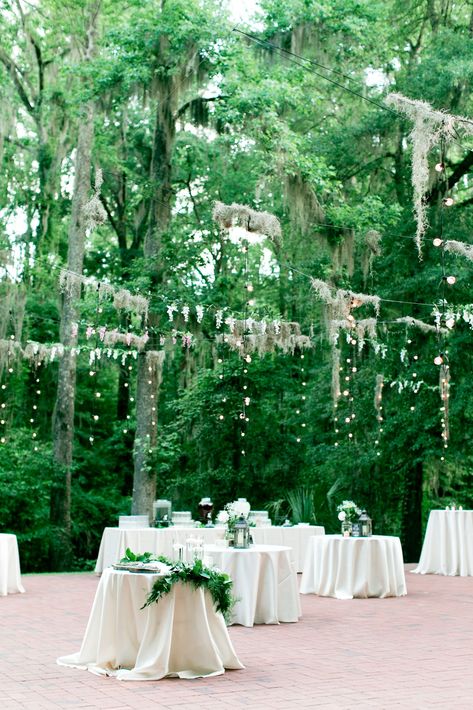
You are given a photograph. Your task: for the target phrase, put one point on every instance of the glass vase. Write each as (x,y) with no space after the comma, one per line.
(346,528)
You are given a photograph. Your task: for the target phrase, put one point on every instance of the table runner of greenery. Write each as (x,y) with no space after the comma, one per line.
(218,584)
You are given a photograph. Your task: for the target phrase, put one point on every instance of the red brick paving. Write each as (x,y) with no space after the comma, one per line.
(412,652)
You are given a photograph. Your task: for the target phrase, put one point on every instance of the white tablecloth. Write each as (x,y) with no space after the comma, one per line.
(448,544)
(160,541)
(10,579)
(297,538)
(182,635)
(264,583)
(354,567)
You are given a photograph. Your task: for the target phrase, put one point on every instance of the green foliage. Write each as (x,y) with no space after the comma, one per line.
(269,120)
(25,482)
(218,584)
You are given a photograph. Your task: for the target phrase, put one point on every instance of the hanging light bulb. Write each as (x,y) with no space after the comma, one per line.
(221,417)
(439,167)
(451,280)
(248,358)
(437,242)
(448,201)
(438,360)
(249,287)
(345,393)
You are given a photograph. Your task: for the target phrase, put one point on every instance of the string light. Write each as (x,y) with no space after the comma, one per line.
(437,242)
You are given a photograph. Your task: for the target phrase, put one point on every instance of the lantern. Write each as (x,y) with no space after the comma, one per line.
(365,524)
(241,534)
(162,513)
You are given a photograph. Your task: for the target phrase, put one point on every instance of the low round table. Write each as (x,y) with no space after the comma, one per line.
(448,544)
(354,567)
(10,577)
(182,635)
(264,583)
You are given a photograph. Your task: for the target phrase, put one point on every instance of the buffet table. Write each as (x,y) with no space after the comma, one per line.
(182,635)
(354,567)
(264,583)
(161,541)
(10,578)
(448,544)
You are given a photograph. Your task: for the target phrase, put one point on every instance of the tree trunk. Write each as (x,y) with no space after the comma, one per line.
(412,514)
(144,478)
(148,383)
(60,552)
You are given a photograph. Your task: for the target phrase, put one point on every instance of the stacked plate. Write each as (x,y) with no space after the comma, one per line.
(260,518)
(133,521)
(182,518)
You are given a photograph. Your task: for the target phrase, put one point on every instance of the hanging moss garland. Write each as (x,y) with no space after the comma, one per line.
(218,584)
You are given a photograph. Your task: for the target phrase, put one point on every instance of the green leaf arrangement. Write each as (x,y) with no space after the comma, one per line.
(218,584)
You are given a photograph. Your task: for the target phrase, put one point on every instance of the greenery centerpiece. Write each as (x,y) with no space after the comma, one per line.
(348,513)
(218,584)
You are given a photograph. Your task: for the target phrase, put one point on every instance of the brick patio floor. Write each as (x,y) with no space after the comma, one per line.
(413,652)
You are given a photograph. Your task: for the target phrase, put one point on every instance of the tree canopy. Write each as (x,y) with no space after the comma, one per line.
(283,113)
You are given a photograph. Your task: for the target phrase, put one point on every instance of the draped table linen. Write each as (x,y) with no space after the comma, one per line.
(448,544)
(264,583)
(10,577)
(160,541)
(345,568)
(181,635)
(297,538)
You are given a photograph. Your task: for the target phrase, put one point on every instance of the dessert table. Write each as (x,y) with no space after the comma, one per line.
(448,544)
(361,567)
(264,583)
(10,578)
(182,635)
(160,541)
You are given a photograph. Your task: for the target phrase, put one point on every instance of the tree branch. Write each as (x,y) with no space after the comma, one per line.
(14,72)
(461,169)
(192,103)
